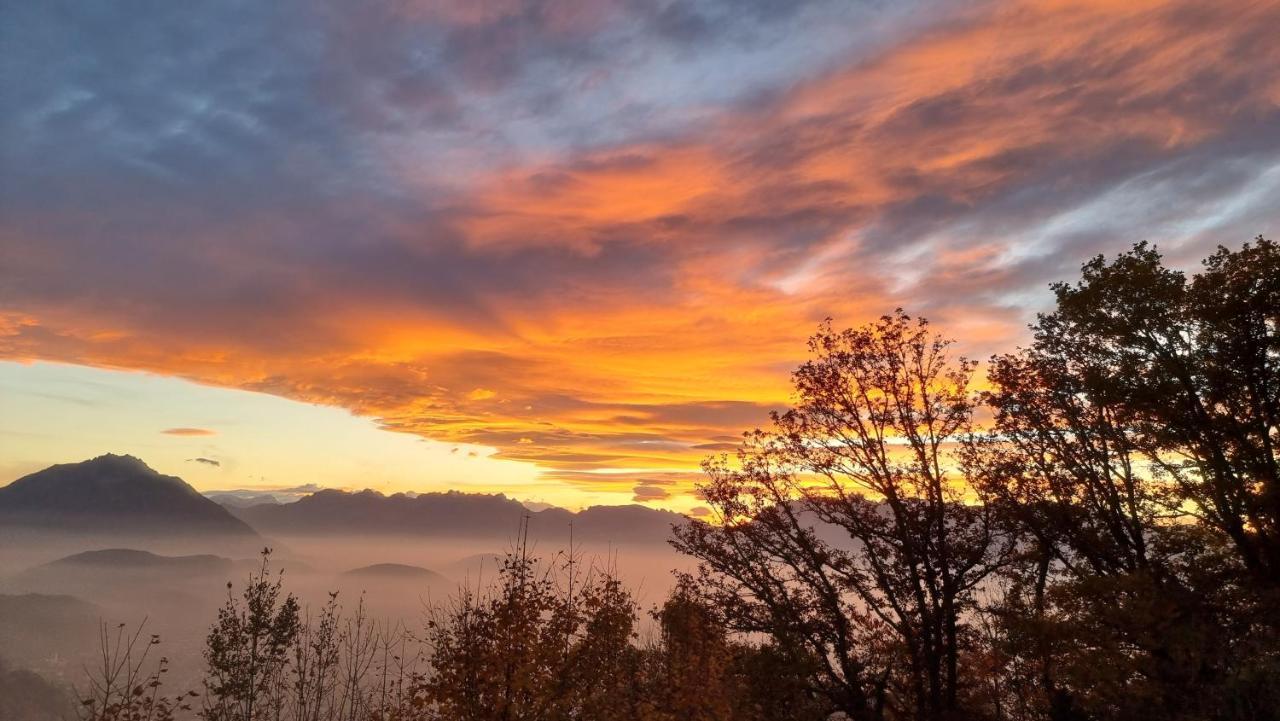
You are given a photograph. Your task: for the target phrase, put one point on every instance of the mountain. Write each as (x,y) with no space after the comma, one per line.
(241,497)
(27,696)
(455,515)
(37,626)
(114,495)
(129,559)
(396,571)
(130,585)
(236,499)
(114,569)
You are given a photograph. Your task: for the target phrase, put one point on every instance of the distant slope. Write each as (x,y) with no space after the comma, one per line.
(456,515)
(116,568)
(27,696)
(395,571)
(38,626)
(119,559)
(238,499)
(116,495)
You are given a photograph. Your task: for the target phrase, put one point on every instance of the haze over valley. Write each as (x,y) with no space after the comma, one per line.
(110,540)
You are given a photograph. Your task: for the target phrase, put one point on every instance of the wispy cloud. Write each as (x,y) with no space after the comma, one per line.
(190,432)
(596,241)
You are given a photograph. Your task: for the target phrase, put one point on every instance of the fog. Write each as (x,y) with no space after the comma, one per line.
(57,592)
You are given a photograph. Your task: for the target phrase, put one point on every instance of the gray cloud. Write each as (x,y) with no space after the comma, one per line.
(645,494)
(284,196)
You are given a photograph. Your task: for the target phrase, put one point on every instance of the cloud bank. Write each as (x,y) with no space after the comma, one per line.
(595,235)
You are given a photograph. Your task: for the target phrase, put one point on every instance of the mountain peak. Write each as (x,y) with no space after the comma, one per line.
(111,493)
(123,460)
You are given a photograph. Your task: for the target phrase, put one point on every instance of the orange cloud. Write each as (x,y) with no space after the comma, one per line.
(189,432)
(615,315)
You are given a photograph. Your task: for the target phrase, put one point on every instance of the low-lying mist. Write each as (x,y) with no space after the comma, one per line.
(54,604)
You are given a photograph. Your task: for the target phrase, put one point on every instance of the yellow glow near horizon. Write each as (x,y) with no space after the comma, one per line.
(55,413)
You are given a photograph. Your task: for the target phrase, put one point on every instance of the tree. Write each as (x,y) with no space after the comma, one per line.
(120,687)
(247,651)
(542,645)
(850,526)
(698,672)
(690,669)
(1194,368)
(1133,449)
(315,656)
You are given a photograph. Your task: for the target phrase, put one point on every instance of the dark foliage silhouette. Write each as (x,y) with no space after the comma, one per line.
(1136,456)
(877,447)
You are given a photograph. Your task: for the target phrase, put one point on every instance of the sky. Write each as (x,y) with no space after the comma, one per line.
(565,250)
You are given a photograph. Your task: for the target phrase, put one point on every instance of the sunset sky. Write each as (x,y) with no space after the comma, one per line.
(565,250)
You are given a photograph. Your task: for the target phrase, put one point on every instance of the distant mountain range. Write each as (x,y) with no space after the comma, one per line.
(235,499)
(121,499)
(455,515)
(114,495)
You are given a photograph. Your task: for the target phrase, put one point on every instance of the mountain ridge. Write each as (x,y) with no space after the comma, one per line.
(118,494)
(453,513)
(123,499)
(397,571)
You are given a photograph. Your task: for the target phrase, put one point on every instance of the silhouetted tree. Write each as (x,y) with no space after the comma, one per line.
(698,671)
(1188,372)
(1134,450)
(315,656)
(690,668)
(126,683)
(850,525)
(542,645)
(775,681)
(247,651)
